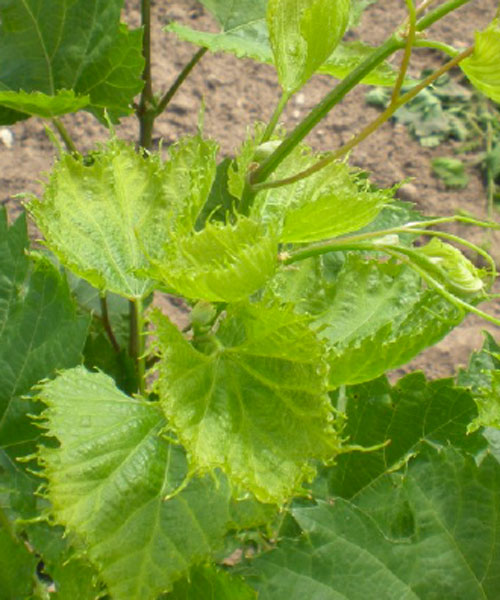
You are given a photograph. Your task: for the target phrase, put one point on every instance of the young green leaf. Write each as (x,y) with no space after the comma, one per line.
(451,267)
(221,263)
(93,214)
(88,52)
(482,67)
(37,104)
(374,316)
(254,404)
(427,531)
(483,378)
(108,480)
(451,171)
(303,34)
(188,177)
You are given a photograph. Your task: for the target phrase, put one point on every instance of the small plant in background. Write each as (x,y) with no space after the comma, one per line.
(138,461)
(451,109)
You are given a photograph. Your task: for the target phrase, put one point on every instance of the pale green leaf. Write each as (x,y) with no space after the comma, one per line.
(188,178)
(103,219)
(303,34)
(254,403)
(451,171)
(357,9)
(375,316)
(482,67)
(42,105)
(347,56)
(221,263)
(330,205)
(108,481)
(54,45)
(208,583)
(430,531)
(245,34)
(245,41)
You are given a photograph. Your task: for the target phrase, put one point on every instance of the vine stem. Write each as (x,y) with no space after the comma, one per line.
(146,111)
(275,117)
(410,40)
(369,129)
(170,93)
(66,138)
(107,323)
(137,341)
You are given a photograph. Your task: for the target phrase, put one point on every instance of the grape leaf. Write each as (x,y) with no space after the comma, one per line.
(17,567)
(303,34)
(55,45)
(253,403)
(245,34)
(43,105)
(375,316)
(93,214)
(482,67)
(208,583)
(428,532)
(108,480)
(483,378)
(408,413)
(189,175)
(221,263)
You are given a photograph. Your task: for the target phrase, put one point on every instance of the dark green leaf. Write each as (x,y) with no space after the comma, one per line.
(56,45)
(406,414)
(208,583)
(17,567)
(428,531)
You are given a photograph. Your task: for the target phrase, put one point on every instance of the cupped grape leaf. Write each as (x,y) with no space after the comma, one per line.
(483,378)
(17,566)
(108,480)
(303,34)
(429,531)
(408,413)
(55,45)
(220,263)
(253,403)
(42,105)
(375,316)
(327,208)
(102,219)
(188,178)
(209,583)
(482,67)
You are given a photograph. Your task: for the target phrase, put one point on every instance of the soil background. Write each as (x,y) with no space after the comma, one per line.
(238,92)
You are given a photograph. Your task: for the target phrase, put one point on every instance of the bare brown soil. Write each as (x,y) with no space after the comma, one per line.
(237,92)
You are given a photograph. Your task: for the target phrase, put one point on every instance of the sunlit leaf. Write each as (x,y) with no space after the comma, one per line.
(253,402)
(221,263)
(482,67)
(108,481)
(92,215)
